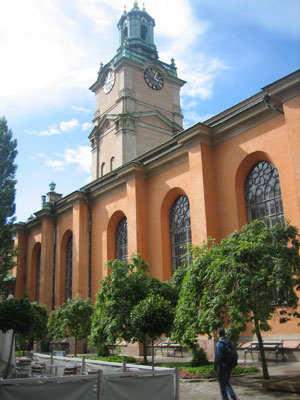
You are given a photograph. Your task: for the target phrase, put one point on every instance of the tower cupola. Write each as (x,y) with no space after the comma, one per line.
(136,29)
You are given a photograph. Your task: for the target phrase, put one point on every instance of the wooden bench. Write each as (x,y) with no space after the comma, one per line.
(167,345)
(275,347)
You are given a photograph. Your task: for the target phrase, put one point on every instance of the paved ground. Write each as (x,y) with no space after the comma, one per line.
(246,387)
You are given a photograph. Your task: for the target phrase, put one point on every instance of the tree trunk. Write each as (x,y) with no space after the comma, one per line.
(152,352)
(262,351)
(10,355)
(145,353)
(76,346)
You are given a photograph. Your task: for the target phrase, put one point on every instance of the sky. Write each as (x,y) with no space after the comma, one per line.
(226,50)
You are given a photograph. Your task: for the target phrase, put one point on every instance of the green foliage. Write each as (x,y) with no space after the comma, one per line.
(71,319)
(241,280)
(121,291)
(205,372)
(8,168)
(199,357)
(16,314)
(38,329)
(152,317)
(27,320)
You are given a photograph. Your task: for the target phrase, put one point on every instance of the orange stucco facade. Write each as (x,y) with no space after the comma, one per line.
(208,163)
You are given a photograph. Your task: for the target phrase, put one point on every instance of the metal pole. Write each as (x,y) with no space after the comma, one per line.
(83,365)
(100,385)
(123,366)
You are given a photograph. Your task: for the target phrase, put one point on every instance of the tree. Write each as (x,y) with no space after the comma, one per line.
(38,329)
(150,318)
(16,315)
(121,290)
(8,154)
(250,276)
(72,319)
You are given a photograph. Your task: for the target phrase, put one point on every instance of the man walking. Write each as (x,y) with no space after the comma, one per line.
(224,363)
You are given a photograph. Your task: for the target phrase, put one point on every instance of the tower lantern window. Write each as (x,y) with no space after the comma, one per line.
(143,32)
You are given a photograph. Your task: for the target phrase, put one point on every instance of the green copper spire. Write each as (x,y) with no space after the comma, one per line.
(136,29)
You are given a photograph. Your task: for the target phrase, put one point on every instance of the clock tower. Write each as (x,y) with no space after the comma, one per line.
(137,97)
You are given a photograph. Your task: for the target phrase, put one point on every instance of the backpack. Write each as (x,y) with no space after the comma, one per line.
(230,356)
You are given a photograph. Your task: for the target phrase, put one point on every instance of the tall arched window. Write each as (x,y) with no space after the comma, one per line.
(143,32)
(263,194)
(180,230)
(103,169)
(112,163)
(69,268)
(121,240)
(38,277)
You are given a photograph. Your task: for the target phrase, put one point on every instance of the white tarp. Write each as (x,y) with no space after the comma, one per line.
(77,390)
(159,387)
(5,343)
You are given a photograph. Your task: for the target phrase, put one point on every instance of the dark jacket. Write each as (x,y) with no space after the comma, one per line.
(219,355)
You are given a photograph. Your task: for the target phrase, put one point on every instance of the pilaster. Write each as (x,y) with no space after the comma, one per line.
(80,260)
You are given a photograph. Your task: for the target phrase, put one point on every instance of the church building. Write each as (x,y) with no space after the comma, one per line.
(156,187)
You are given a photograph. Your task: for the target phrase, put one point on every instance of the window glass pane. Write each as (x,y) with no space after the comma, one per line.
(38,277)
(263,194)
(180,230)
(121,241)
(69,269)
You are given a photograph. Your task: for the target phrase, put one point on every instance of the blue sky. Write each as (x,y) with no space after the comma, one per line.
(226,50)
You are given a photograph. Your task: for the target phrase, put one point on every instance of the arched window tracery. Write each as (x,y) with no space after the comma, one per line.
(180,230)
(121,241)
(38,276)
(69,260)
(263,194)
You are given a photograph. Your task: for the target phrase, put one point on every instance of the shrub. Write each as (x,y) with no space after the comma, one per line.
(199,357)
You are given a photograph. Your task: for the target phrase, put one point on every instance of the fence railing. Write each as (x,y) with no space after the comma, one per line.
(148,384)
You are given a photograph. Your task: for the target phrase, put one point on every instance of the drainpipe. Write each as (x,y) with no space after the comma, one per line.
(90,246)
(54,263)
(267,103)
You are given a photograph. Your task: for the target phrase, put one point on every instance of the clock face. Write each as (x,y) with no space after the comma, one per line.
(109,81)
(153,78)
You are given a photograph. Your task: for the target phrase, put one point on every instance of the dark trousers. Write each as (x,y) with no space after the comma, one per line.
(224,375)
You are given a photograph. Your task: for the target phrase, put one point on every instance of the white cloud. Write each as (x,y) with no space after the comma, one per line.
(102,14)
(69,125)
(86,126)
(46,55)
(55,164)
(51,131)
(81,156)
(82,109)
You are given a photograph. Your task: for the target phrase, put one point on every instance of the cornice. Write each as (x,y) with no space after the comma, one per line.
(242,122)
(285,88)
(167,160)
(196,134)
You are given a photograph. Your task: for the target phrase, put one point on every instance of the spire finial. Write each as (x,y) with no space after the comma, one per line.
(144,8)
(52,186)
(125,11)
(135,4)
